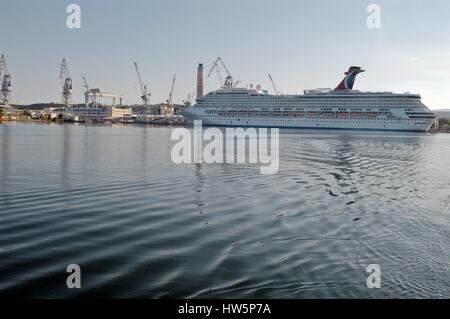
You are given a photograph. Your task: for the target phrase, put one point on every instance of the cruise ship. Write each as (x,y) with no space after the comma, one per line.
(341,108)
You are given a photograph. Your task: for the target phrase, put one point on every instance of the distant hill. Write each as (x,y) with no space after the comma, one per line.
(442,113)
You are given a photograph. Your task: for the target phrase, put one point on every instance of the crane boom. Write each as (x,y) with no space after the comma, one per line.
(273,84)
(215,66)
(228,79)
(139,78)
(87,94)
(171,90)
(145,96)
(224,66)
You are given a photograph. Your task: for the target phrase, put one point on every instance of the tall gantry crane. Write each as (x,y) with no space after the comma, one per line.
(273,85)
(228,79)
(5,78)
(145,95)
(66,81)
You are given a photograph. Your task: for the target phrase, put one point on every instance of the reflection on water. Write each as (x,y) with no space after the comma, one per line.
(111,200)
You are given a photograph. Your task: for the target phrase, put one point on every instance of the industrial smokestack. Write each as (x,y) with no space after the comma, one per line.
(200,86)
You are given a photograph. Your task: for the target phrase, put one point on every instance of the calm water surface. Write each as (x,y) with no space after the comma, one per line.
(111,200)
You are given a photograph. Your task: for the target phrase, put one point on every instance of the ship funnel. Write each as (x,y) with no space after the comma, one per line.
(200,80)
(349,80)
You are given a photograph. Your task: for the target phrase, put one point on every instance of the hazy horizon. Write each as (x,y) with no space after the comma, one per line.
(303,44)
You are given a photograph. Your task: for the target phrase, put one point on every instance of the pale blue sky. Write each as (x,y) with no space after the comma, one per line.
(304,44)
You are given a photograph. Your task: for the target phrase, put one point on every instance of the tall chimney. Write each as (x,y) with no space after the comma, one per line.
(200,86)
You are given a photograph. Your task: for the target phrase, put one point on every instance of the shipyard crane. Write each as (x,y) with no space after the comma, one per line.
(169,101)
(190,97)
(87,93)
(5,78)
(168,109)
(145,96)
(66,81)
(273,85)
(85,84)
(228,79)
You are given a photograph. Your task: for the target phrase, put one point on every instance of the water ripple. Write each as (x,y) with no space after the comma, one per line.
(110,200)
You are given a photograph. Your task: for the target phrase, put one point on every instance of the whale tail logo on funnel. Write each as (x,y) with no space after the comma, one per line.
(349,80)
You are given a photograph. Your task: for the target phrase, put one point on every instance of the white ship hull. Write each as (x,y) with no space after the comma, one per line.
(313,110)
(342,124)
